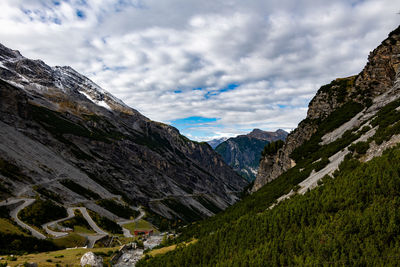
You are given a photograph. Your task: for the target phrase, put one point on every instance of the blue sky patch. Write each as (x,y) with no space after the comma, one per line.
(196,126)
(229,87)
(80,14)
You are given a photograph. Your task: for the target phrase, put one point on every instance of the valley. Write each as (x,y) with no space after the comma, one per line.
(326,196)
(86,180)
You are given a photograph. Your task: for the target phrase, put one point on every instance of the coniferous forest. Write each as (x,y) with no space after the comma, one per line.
(352,219)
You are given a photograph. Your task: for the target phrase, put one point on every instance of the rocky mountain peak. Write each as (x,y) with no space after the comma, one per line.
(37,77)
(377,77)
(269,136)
(7,53)
(243,152)
(57,124)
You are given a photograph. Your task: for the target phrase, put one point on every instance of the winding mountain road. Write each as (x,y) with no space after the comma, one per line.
(25,202)
(126,232)
(14,214)
(71,213)
(46,226)
(90,221)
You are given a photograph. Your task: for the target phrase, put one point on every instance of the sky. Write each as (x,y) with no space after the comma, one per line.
(210,68)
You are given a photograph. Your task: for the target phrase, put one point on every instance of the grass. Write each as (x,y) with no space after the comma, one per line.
(70,241)
(78,224)
(7,227)
(139,225)
(70,257)
(164,250)
(143,224)
(83,230)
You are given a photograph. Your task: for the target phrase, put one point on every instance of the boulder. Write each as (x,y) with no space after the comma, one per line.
(90,259)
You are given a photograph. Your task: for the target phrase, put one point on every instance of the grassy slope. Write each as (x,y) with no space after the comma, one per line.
(70,241)
(70,257)
(7,227)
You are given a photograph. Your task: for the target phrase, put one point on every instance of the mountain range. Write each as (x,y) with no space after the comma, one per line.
(58,125)
(243,152)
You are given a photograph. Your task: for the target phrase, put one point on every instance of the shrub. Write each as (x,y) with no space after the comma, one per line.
(42,211)
(105,223)
(359,147)
(80,190)
(272,148)
(117,209)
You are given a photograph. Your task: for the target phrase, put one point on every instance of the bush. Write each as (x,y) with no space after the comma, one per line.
(78,220)
(19,244)
(105,223)
(42,211)
(272,148)
(47,193)
(117,209)
(359,147)
(80,190)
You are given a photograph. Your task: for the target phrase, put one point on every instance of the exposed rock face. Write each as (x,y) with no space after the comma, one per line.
(243,152)
(90,259)
(55,124)
(376,78)
(267,136)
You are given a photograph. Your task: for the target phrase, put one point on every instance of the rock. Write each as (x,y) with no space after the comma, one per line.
(90,259)
(243,152)
(377,78)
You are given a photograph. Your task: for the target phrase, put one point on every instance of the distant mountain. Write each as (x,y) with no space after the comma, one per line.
(215,142)
(243,152)
(57,124)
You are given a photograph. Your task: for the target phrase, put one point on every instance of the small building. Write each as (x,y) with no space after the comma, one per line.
(143,232)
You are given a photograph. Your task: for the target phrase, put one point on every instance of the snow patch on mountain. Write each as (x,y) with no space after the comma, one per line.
(101,103)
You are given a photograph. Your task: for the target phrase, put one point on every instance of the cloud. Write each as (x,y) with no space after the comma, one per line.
(185,55)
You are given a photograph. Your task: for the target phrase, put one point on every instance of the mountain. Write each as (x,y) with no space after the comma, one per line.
(329,194)
(57,125)
(358,98)
(215,142)
(243,152)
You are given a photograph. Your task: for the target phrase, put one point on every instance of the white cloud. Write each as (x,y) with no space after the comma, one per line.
(279,53)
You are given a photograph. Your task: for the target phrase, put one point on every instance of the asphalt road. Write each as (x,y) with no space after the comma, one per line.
(126,232)
(15,211)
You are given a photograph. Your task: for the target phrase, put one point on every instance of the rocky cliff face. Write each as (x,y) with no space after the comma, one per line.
(375,79)
(243,152)
(57,124)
